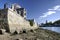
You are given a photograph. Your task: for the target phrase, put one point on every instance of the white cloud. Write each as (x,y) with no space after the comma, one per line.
(48,13)
(51,11)
(56,8)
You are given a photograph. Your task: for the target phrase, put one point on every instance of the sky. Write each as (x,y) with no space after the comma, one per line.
(40,10)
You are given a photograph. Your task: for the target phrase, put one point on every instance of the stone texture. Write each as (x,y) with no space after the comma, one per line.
(39,34)
(13,21)
(16,22)
(3,19)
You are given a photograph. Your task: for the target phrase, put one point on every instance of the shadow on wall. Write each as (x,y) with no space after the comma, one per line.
(4,19)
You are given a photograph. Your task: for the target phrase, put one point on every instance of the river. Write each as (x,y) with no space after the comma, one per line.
(56,29)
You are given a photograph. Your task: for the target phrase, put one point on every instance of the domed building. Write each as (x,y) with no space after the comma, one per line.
(14,19)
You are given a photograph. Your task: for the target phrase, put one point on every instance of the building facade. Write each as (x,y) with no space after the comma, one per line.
(14,19)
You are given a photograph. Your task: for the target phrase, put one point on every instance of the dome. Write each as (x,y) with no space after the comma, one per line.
(15,6)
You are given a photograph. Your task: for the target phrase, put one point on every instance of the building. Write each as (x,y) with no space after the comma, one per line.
(14,19)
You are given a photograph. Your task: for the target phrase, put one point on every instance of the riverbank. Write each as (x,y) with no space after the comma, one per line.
(37,34)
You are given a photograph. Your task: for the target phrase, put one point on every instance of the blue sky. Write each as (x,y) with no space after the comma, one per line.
(40,10)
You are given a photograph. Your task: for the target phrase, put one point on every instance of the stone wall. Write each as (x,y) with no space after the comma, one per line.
(16,22)
(3,19)
(12,21)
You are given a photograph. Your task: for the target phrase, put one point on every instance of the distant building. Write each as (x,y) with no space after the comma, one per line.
(14,19)
(46,21)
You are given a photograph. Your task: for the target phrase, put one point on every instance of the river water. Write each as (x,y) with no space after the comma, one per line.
(56,29)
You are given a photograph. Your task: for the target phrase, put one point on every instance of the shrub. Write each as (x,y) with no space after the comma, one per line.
(24,31)
(17,39)
(20,32)
(1,32)
(15,33)
(31,30)
(31,22)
